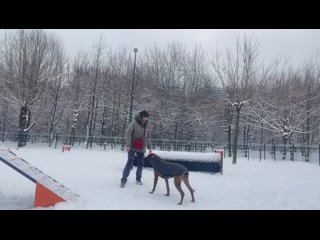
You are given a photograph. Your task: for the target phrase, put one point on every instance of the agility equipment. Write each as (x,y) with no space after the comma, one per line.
(48,191)
(195,162)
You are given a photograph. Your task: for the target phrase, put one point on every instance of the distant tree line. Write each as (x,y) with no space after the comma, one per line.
(228,96)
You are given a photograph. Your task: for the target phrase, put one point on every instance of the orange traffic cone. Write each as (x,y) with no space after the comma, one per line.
(45,197)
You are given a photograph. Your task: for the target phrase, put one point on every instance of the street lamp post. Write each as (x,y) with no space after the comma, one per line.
(132,87)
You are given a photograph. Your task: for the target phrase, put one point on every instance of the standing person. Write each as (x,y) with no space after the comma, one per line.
(137,140)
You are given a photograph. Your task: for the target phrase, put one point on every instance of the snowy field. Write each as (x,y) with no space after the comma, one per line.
(95,176)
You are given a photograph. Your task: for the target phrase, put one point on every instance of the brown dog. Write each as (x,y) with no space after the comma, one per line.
(167,170)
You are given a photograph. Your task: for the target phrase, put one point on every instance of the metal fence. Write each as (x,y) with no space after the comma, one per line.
(279,152)
(291,152)
(113,142)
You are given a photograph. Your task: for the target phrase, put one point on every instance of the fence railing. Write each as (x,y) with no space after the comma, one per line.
(292,152)
(103,141)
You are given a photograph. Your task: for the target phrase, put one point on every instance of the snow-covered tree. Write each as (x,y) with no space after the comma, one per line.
(30,59)
(238,71)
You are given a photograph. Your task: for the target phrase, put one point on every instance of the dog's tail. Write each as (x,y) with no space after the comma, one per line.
(186,181)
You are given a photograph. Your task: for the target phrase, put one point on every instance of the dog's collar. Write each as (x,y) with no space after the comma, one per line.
(151,155)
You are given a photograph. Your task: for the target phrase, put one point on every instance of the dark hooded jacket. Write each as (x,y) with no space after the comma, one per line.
(165,168)
(137,130)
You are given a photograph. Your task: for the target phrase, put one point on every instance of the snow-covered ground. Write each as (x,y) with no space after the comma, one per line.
(95,176)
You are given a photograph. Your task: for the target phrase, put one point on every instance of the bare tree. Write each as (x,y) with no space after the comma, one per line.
(286,105)
(31,58)
(93,104)
(78,95)
(238,74)
(116,85)
(55,94)
(310,85)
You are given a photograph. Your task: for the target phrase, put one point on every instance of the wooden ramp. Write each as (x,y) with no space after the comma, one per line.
(48,191)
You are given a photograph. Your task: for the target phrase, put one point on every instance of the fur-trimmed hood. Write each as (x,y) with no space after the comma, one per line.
(138,119)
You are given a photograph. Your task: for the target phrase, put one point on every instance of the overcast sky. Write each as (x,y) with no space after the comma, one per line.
(298,44)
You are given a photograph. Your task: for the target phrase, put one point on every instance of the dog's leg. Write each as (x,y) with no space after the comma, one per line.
(167,185)
(177,183)
(186,182)
(155,181)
